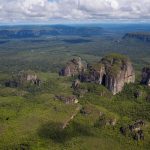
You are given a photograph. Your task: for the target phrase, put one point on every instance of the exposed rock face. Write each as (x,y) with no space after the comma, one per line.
(73,67)
(146,76)
(11,83)
(113,71)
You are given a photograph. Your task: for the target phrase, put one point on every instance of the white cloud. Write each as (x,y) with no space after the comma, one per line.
(80,10)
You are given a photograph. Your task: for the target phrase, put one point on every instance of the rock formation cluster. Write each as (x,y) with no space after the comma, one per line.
(113,71)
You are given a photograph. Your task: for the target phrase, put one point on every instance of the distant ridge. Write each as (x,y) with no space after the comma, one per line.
(53,30)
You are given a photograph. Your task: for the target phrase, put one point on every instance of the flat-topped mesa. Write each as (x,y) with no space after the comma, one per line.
(113,71)
(146,76)
(73,67)
(142,36)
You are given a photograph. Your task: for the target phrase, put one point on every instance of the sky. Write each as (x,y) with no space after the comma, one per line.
(65,11)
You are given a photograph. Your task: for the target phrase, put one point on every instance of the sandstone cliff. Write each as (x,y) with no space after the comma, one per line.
(73,67)
(146,76)
(113,71)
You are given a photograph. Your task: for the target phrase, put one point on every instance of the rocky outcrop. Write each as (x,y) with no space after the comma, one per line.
(105,121)
(73,67)
(28,77)
(23,78)
(146,76)
(67,99)
(113,71)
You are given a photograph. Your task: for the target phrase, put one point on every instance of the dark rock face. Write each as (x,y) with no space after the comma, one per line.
(138,94)
(11,83)
(123,130)
(148,98)
(139,135)
(146,76)
(113,71)
(73,67)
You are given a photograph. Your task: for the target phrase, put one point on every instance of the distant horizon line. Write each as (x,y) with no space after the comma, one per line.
(84,23)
